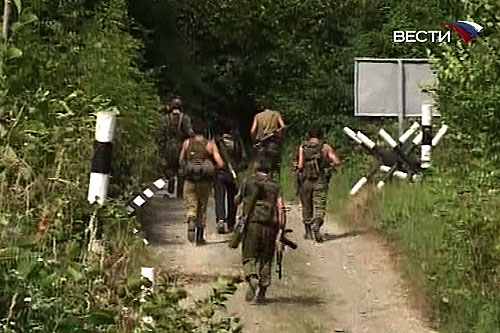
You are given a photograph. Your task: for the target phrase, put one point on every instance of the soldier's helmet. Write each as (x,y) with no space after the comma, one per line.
(175,103)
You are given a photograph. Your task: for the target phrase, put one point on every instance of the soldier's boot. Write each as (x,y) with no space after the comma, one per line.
(308,234)
(200,240)
(261,295)
(317,223)
(221,228)
(191,231)
(252,289)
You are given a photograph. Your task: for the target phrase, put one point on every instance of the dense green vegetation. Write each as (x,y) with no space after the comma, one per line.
(299,56)
(64,61)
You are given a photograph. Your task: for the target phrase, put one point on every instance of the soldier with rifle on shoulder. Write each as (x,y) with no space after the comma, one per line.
(232,152)
(315,160)
(263,218)
(176,127)
(267,133)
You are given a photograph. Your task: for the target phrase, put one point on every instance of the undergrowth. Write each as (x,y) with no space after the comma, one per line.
(63,62)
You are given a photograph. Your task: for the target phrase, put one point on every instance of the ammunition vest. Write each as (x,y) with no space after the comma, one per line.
(199,165)
(313,159)
(267,122)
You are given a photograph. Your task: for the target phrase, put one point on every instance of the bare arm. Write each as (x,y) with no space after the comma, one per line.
(253,130)
(214,151)
(281,123)
(185,145)
(330,154)
(300,163)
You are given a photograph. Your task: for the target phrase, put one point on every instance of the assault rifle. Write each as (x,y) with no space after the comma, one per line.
(283,242)
(267,137)
(227,159)
(238,232)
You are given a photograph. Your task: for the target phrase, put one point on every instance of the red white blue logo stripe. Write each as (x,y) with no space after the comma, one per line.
(466,29)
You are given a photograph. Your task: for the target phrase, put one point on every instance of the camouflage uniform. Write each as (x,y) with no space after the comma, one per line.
(198,170)
(268,151)
(176,128)
(260,193)
(314,189)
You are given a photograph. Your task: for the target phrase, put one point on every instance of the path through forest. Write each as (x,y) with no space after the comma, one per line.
(346,284)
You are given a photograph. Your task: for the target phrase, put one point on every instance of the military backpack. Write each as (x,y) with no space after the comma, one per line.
(198,165)
(264,211)
(313,159)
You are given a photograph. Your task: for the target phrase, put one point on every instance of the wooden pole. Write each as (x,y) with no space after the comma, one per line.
(7,9)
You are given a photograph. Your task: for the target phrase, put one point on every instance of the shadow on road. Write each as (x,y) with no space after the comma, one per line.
(299,300)
(331,237)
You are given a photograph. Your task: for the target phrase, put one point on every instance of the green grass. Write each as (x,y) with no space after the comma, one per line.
(446,230)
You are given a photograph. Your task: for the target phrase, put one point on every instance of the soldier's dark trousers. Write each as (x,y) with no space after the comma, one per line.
(176,182)
(270,153)
(224,193)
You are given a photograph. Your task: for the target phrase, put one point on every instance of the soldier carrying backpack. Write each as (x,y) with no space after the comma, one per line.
(267,132)
(232,152)
(315,159)
(263,208)
(176,128)
(199,161)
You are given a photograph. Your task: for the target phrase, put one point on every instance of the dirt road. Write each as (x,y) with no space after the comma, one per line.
(346,284)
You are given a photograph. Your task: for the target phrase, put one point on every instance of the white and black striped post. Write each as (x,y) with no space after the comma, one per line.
(101,162)
(144,195)
(425,158)
(398,146)
(439,135)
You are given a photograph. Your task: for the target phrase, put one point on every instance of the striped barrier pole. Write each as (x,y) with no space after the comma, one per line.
(144,196)
(101,161)
(425,157)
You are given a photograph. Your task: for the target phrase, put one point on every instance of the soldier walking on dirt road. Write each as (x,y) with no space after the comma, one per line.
(263,211)
(199,159)
(266,132)
(175,129)
(316,158)
(232,152)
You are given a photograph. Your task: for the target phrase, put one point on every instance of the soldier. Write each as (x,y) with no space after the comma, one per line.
(266,132)
(315,159)
(263,211)
(232,152)
(199,159)
(176,128)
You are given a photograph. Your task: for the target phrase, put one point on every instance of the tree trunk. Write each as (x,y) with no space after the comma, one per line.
(7,8)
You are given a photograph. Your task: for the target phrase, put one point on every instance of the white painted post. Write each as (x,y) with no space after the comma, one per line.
(425,159)
(101,162)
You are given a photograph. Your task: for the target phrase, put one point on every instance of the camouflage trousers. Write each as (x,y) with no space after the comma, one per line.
(196,194)
(313,195)
(258,252)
